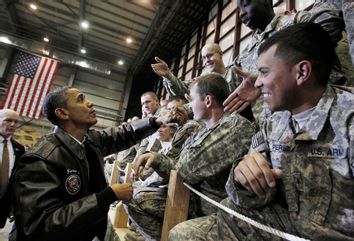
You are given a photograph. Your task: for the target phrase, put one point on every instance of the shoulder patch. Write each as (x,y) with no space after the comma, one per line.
(73,183)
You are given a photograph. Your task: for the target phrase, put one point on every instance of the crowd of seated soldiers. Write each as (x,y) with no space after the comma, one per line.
(280,159)
(146,209)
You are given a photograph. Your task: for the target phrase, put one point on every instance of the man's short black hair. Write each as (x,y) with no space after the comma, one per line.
(304,41)
(56,99)
(176,98)
(212,84)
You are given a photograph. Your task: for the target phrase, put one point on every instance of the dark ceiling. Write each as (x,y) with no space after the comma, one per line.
(156,27)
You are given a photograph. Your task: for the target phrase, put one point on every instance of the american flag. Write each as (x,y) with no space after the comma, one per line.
(30,84)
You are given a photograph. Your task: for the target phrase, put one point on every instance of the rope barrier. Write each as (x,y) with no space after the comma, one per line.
(256,224)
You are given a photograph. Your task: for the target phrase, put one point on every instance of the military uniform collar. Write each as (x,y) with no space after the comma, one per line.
(259,36)
(72,144)
(319,116)
(316,122)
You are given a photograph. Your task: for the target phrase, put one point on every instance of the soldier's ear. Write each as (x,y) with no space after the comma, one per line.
(208,100)
(303,71)
(62,113)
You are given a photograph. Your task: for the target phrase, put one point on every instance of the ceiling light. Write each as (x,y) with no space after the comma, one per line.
(33,6)
(85,24)
(129,40)
(83,50)
(5,40)
(46,39)
(120,62)
(45,51)
(83,63)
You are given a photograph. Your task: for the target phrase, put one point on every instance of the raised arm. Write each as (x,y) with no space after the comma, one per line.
(173,85)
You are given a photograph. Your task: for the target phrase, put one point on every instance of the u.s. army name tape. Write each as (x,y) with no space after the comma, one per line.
(256,224)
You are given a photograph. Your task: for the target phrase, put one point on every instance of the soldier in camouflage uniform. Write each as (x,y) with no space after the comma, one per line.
(345,49)
(204,161)
(149,196)
(347,8)
(150,107)
(259,16)
(212,60)
(299,174)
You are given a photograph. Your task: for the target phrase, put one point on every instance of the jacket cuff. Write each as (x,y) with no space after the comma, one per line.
(105,198)
(144,124)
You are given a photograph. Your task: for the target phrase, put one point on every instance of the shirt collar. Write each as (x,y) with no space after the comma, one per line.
(316,122)
(80,142)
(3,138)
(75,146)
(319,116)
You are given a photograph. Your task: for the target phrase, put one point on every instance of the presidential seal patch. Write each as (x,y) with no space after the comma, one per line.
(73,184)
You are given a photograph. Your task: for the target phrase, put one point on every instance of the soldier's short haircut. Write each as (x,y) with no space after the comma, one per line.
(212,84)
(56,99)
(304,41)
(214,47)
(177,98)
(151,94)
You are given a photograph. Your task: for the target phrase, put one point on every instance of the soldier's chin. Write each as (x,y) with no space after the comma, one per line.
(210,69)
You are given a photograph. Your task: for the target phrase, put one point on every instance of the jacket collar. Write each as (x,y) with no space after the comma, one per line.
(70,143)
(316,122)
(314,126)
(258,36)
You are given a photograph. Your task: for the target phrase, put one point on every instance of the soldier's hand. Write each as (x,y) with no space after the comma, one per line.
(178,115)
(123,191)
(143,161)
(255,174)
(244,95)
(163,118)
(160,68)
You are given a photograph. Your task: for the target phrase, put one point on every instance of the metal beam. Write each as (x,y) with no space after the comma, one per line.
(11,13)
(164,15)
(82,18)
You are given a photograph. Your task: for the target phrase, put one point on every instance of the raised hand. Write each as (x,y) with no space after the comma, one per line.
(255,174)
(244,94)
(160,68)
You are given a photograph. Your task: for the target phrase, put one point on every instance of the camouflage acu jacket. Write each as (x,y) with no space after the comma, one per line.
(178,87)
(207,156)
(317,186)
(324,14)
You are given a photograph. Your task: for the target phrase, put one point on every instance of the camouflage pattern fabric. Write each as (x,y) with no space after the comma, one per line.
(347,8)
(314,199)
(147,206)
(205,161)
(342,51)
(324,14)
(177,87)
(181,135)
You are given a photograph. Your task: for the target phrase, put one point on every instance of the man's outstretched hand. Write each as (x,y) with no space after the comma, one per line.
(244,95)
(161,68)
